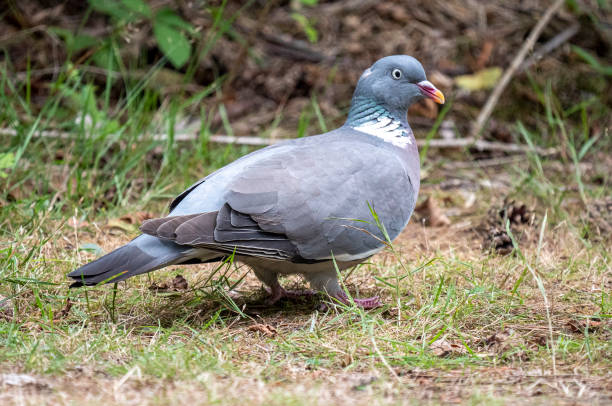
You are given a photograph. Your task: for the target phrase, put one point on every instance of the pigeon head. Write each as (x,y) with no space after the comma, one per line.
(394,83)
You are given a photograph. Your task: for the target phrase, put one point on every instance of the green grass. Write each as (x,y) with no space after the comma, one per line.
(458,322)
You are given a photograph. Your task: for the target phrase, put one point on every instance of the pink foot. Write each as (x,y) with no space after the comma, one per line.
(366,303)
(278,292)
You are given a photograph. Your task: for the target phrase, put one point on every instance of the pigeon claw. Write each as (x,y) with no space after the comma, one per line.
(365,303)
(368,302)
(279,293)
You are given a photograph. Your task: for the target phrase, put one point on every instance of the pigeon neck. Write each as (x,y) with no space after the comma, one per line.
(370,117)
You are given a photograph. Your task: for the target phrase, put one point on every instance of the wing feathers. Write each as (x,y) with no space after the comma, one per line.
(226,231)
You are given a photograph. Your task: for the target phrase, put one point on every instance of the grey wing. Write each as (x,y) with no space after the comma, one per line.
(227,231)
(304,202)
(319,197)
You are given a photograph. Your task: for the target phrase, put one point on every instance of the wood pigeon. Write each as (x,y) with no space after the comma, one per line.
(297,206)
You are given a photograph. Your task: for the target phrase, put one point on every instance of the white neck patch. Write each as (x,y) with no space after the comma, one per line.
(390,130)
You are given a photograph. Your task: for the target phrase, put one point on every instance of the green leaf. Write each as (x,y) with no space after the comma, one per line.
(170,18)
(593,61)
(81,42)
(138,6)
(172,43)
(311,32)
(7,160)
(111,7)
(74,42)
(122,9)
(105,57)
(310,3)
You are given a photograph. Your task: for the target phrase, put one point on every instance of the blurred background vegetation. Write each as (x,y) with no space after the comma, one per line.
(109,108)
(102,101)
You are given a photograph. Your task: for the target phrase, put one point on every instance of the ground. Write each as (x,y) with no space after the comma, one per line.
(461,323)
(498,292)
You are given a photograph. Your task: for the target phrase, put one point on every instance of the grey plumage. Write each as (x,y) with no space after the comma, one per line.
(293,206)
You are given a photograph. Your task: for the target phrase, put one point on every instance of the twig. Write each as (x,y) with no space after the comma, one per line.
(551,45)
(486,111)
(482,145)
(486,163)
(479,145)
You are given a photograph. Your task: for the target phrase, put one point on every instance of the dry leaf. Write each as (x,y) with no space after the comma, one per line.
(583,325)
(265,329)
(177,284)
(118,225)
(444,348)
(481,80)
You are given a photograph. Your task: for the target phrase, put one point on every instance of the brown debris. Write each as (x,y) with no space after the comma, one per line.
(599,217)
(493,229)
(584,325)
(430,213)
(445,348)
(264,329)
(62,314)
(499,241)
(6,308)
(517,213)
(506,341)
(179,283)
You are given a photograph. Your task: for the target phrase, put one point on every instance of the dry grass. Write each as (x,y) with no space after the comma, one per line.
(460,324)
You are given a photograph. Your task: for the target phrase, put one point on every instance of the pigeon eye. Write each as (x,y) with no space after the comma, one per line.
(396,73)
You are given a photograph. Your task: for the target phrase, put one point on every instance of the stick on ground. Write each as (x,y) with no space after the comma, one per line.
(486,111)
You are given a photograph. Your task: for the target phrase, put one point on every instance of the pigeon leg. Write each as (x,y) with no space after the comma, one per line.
(276,291)
(328,282)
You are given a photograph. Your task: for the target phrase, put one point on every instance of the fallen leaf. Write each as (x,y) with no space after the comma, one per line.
(118,225)
(503,341)
(177,284)
(583,325)
(485,55)
(431,214)
(481,80)
(444,348)
(265,329)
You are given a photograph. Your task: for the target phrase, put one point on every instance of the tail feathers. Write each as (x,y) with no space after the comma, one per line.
(141,255)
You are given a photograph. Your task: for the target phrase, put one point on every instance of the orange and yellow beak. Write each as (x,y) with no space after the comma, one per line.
(430,91)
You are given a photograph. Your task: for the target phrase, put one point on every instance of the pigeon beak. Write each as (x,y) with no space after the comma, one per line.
(430,91)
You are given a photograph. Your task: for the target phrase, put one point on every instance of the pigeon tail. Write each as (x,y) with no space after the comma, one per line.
(142,254)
